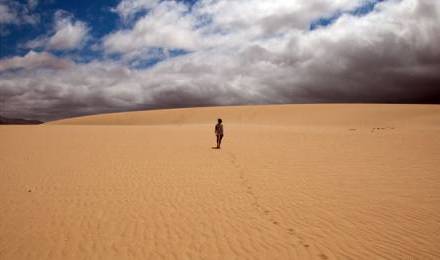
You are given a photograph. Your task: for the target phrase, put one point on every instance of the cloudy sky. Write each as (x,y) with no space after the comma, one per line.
(63,58)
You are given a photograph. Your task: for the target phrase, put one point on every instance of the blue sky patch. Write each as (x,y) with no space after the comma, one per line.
(158,55)
(361,10)
(100,18)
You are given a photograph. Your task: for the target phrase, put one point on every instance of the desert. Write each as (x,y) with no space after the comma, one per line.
(324,181)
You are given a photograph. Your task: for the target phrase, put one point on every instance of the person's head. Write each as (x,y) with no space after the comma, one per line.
(219,120)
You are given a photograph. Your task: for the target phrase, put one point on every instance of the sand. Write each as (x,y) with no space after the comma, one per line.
(290,182)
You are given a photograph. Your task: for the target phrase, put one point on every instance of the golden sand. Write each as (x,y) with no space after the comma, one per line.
(290,182)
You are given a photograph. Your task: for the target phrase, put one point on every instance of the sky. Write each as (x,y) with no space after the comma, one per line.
(62,58)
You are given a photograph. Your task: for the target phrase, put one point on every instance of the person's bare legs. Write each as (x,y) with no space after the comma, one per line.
(219,140)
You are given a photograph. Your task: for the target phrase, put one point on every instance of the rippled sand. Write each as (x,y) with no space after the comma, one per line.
(290,182)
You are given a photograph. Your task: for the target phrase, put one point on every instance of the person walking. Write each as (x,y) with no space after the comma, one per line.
(219,132)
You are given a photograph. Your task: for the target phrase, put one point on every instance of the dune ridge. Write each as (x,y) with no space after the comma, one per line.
(290,182)
(329,114)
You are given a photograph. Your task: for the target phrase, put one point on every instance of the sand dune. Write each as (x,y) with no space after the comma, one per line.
(290,182)
(275,115)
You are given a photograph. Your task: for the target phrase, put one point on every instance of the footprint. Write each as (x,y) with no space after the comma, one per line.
(306,245)
(322,256)
(275,222)
(381,128)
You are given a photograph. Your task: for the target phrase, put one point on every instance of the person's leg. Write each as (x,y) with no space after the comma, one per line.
(220,141)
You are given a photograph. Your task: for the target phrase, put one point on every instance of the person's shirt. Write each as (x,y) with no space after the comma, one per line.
(219,129)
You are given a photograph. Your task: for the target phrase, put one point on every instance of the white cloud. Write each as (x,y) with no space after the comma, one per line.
(32,4)
(13,12)
(7,15)
(34,60)
(68,34)
(166,26)
(389,55)
(233,24)
(128,8)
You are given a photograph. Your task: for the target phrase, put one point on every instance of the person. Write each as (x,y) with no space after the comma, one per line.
(219,132)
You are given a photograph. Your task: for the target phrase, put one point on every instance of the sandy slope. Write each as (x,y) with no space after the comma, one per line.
(291,182)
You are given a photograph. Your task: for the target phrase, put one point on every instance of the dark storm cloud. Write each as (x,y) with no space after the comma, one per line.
(390,55)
